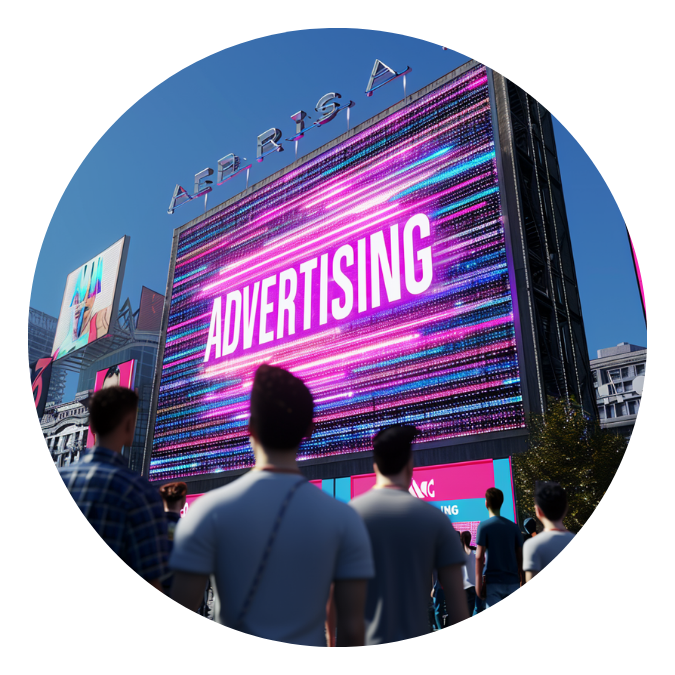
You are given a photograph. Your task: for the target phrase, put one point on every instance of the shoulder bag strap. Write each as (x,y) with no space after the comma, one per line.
(266,554)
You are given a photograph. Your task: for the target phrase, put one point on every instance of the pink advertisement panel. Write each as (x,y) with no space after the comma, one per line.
(121,374)
(465,480)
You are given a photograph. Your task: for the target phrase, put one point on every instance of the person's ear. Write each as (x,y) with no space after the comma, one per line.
(251,429)
(538,512)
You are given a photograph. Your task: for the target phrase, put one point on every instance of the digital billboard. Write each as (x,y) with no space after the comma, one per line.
(90,300)
(121,374)
(376,271)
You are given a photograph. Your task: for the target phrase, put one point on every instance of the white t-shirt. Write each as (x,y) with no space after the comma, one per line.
(320,540)
(541,549)
(470,570)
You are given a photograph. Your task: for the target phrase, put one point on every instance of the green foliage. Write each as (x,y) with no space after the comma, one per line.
(566,447)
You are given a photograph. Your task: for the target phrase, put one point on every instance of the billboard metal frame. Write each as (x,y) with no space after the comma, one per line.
(487,445)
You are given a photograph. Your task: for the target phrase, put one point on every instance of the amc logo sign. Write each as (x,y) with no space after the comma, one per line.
(424,490)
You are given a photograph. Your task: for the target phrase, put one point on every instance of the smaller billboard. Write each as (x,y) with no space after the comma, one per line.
(90,300)
(151,309)
(121,374)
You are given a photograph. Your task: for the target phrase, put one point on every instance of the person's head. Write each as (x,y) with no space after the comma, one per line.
(466,538)
(174,496)
(392,450)
(282,408)
(112,417)
(494,498)
(550,501)
(112,377)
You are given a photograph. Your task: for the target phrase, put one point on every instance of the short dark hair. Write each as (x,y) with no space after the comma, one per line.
(282,408)
(494,498)
(551,499)
(173,493)
(111,372)
(392,448)
(108,407)
(466,538)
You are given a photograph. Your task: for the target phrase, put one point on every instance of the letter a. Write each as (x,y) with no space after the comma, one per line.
(382,74)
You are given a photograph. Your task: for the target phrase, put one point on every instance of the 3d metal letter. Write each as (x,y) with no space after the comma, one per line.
(228,167)
(179,193)
(201,188)
(382,70)
(328,108)
(299,119)
(269,137)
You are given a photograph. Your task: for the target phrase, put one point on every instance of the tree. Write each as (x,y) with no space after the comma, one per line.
(570,448)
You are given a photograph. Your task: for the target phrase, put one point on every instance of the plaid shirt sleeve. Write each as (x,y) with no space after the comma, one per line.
(146,535)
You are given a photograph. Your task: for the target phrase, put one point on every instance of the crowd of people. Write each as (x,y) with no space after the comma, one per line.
(271,555)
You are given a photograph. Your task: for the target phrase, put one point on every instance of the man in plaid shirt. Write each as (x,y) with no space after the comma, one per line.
(121,505)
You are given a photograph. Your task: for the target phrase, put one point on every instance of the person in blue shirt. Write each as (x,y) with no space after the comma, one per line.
(502,540)
(122,506)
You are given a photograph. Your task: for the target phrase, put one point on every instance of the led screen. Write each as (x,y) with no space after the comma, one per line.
(88,301)
(121,374)
(376,272)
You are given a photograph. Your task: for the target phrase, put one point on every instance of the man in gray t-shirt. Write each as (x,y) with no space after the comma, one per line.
(550,504)
(410,539)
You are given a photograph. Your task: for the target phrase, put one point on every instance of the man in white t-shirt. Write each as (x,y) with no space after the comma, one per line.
(270,541)
(550,504)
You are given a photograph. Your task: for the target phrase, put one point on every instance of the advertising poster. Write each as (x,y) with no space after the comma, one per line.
(90,300)
(376,272)
(121,374)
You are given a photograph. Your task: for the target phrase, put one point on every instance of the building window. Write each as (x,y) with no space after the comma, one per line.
(640,369)
(632,407)
(628,386)
(624,372)
(610,411)
(620,409)
(595,377)
(619,387)
(615,375)
(601,410)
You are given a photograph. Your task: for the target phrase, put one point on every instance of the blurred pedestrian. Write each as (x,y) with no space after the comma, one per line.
(272,542)
(121,505)
(503,542)
(174,496)
(530,527)
(469,572)
(410,539)
(550,504)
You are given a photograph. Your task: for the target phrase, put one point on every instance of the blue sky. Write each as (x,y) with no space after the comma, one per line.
(220,105)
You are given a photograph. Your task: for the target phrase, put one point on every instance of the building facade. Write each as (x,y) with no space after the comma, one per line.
(142,348)
(65,427)
(618,376)
(41,332)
